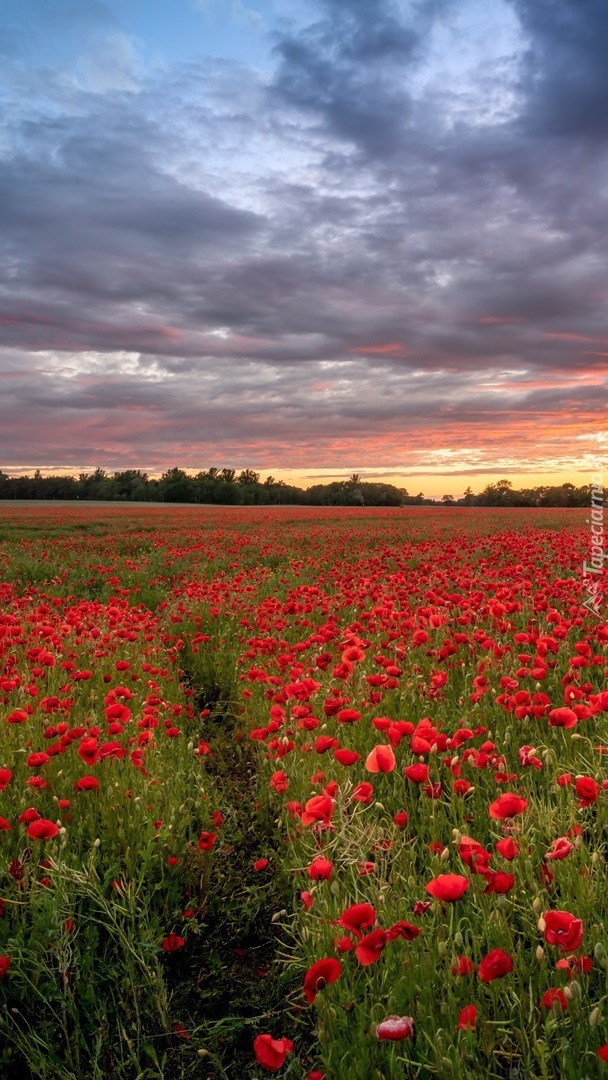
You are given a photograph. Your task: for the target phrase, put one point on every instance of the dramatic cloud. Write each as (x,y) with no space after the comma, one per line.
(383,247)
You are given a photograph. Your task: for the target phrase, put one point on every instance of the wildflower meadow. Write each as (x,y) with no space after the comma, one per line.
(312,792)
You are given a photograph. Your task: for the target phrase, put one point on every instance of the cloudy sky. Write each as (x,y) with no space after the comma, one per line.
(305,236)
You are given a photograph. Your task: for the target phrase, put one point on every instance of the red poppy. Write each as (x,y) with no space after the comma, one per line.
(402,929)
(271,1053)
(42,829)
(363,792)
(260,864)
(357,918)
(206,841)
(172,943)
(507,848)
(462,966)
(554,997)
(499,882)
(467,1018)
(320,868)
(507,805)
(561,848)
(587,790)
(371,946)
(448,887)
(603,1052)
(5,963)
(348,716)
(319,975)
(319,808)
(5,778)
(561,928)
(562,717)
(493,966)
(473,854)
(87,783)
(418,773)
(395,1028)
(346,757)
(279,782)
(381,759)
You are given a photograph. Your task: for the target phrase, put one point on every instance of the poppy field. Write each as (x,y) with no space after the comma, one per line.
(318,793)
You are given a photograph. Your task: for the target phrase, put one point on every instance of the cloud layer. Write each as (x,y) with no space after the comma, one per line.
(387,248)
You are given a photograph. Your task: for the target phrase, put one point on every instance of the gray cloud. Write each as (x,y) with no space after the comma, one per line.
(247,241)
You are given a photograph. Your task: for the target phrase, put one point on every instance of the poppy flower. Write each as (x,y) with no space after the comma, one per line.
(507,805)
(463,965)
(357,918)
(319,975)
(348,716)
(87,783)
(507,848)
(473,854)
(561,928)
(206,841)
(493,966)
(172,943)
(320,868)
(418,773)
(554,997)
(319,808)
(271,1053)
(346,757)
(5,963)
(279,782)
(5,778)
(381,759)
(448,887)
(563,717)
(402,929)
(603,1052)
(498,882)
(467,1018)
(370,947)
(561,848)
(260,864)
(363,793)
(395,1028)
(587,790)
(400,819)
(42,829)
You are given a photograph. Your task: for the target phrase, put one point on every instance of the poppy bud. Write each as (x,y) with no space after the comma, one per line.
(541,925)
(594,1017)
(540,953)
(599,954)
(537,905)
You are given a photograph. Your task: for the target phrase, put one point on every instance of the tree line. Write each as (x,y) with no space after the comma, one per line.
(245,488)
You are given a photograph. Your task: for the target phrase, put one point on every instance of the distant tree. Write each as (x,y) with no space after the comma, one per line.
(248,476)
(176,486)
(448,500)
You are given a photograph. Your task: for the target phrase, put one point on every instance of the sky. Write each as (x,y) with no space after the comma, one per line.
(307,237)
